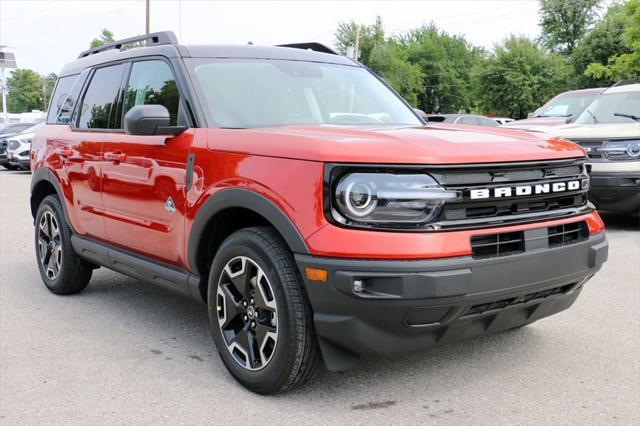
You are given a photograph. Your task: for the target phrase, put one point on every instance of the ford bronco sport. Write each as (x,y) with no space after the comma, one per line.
(305,202)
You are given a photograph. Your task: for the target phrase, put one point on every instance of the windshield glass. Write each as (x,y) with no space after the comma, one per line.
(612,108)
(245,93)
(566,105)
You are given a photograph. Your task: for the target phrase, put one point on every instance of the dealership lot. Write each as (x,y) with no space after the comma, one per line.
(127,352)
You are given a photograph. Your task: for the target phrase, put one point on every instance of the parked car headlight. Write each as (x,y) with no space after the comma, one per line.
(388,199)
(622,150)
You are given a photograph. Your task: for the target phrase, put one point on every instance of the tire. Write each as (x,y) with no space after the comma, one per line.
(10,167)
(263,263)
(62,271)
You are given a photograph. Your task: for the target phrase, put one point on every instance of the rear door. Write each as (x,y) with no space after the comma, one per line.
(144,176)
(85,119)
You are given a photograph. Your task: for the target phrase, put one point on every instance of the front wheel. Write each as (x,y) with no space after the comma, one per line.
(260,318)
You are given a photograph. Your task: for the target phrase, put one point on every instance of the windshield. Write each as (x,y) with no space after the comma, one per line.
(565,105)
(618,107)
(246,93)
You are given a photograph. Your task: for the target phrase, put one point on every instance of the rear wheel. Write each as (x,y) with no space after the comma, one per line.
(10,167)
(260,317)
(62,271)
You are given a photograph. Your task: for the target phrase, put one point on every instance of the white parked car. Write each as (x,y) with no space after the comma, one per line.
(19,148)
(609,130)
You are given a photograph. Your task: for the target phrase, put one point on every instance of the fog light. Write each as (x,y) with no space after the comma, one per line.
(358,286)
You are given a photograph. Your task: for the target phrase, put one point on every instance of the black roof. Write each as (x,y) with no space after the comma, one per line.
(295,52)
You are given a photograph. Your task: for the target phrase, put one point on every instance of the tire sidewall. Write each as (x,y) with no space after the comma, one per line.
(268,378)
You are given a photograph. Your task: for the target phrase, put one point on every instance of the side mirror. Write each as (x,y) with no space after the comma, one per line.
(150,120)
(420,113)
(570,119)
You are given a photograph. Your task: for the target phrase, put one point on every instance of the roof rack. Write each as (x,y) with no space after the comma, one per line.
(316,47)
(625,83)
(152,39)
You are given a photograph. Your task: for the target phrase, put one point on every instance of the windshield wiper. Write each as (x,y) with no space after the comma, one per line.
(595,120)
(631,116)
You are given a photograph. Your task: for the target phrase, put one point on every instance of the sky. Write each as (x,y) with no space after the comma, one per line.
(46,34)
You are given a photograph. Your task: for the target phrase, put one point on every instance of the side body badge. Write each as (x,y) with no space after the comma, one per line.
(170,206)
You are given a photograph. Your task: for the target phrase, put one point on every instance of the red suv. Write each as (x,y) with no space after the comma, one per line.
(305,202)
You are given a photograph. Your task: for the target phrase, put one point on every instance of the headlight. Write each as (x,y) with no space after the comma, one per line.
(387,199)
(622,150)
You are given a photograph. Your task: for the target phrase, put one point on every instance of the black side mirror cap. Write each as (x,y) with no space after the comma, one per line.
(570,119)
(150,120)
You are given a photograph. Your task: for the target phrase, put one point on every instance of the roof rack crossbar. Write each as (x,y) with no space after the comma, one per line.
(156,39)
(316,47)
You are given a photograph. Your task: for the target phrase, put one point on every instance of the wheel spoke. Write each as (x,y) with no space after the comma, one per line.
(231,308)
(55,231)
(245,340)
(263,297)
(52,266)
(44,225)
(241,279)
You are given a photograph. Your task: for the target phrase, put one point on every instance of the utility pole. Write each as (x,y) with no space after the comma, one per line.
(356,54)
(148,17)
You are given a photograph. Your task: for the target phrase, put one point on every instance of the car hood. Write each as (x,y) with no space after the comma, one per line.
(432,144)
(593,131)
(536,122)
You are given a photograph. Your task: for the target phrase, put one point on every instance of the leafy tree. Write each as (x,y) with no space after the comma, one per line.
(389,61)
(625,65)
(105,37)
(369,36)
(48,82)
(25,91)
(518,77)
(565,22)
(445,62)
(602,42)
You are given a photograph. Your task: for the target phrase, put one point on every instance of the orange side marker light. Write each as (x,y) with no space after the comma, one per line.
(314,274)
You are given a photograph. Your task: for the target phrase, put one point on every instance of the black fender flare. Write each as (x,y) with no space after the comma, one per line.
(250,200)
(46,175)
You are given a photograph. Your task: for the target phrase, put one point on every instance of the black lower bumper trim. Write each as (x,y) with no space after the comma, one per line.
(410,305)
(615,193)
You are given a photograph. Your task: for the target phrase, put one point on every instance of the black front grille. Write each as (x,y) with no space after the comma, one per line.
(497,208)
(509,243)
(505,303)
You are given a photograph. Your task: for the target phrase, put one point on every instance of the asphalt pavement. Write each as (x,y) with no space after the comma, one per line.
(126,352)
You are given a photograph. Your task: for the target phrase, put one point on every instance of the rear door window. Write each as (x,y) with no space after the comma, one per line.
(99,105)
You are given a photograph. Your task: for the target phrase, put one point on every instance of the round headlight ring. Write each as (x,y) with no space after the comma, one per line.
(633,150)
(364,204)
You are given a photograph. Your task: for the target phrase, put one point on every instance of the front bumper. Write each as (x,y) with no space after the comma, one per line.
(410,305)
(616,192)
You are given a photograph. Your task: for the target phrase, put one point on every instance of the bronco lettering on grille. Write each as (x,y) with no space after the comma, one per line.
(524,190)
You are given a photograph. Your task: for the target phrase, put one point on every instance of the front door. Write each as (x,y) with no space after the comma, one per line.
(144,177)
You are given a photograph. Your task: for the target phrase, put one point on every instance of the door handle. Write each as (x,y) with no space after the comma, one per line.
(115,156)
(64,152)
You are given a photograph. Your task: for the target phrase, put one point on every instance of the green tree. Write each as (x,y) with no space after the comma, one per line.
(602,42)
(48,83)
(518,77)
(389,61)
(565,22)
(25,91)
(625,65)
(445,62)
(105,37)
(368,37)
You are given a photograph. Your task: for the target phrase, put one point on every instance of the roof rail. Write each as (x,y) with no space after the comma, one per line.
(159,38)
(317,47)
